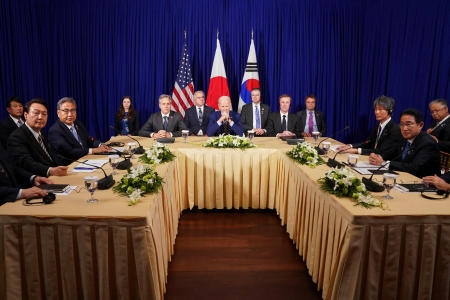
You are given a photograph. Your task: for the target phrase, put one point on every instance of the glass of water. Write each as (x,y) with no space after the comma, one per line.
(352,160)
(315,135)
(90,182)
(389,181)
(184,134)
(114,161)
(326,146)
(132,148)
(251,134)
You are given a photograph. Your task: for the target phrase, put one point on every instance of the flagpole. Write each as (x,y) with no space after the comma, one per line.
(252,33)
(185,33)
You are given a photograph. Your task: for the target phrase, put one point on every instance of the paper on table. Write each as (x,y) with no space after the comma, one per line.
(91,164)
(69,189)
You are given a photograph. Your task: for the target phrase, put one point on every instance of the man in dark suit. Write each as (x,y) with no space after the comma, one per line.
(224,121)
(196,117)
(282,123)
(68,136)
(17,183)
(310,119)
(29,147)
(165,123)
(384,139)
(14,120)
(255,115)
(440,130)
(420,154)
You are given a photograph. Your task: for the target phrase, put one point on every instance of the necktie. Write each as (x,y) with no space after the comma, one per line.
(74,132)
(41,142)
(165,123)
(226,127)
(310,123)
(378,136)
(19,123)
(257,118)
(405,151)
(200,116)
(283,123)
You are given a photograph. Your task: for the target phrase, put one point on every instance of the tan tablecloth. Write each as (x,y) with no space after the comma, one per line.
(110,250)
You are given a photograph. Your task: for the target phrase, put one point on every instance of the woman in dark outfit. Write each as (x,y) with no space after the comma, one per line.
(127,118)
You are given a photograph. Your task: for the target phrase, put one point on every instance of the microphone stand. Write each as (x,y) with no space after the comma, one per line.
(371,185)
(319,150)
(140,149)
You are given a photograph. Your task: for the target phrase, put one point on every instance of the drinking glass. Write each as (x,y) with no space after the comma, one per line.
(90,182)
(389,181)
(132,148)
(326,146)
(352,160)
(251,134)
(184,134)
(315,135)
(114,161)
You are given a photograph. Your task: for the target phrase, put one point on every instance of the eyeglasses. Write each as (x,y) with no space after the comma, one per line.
(407,124)
(66,111)
(436,110)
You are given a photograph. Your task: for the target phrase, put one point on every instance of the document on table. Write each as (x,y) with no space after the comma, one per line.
(90,165)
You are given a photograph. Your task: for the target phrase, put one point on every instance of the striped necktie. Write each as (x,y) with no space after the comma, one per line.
(41,142)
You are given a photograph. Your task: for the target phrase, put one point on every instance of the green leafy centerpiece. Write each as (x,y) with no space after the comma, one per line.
(305,154)
(158,153)
(343,183)
(138,181)
(229,141)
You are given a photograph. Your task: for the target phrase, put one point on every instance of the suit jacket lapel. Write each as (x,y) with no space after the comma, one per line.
(68,133)
(35,143)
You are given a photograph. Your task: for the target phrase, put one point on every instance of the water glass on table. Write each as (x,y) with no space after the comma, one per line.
(114,161)
(352,159)
(389,181)
(90,182)
(315,135)
(251,134)
(184,134)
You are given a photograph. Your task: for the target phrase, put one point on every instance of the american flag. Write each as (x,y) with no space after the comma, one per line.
(183,89)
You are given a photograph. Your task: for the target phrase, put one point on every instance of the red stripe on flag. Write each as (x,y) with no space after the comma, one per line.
(186,94)
(175,92)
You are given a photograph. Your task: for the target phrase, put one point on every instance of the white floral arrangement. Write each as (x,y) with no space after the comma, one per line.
(305,154)
(229,141)
(343,183)
(158,153)
(138,181)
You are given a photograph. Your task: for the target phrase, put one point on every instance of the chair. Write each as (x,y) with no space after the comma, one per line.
(445,161)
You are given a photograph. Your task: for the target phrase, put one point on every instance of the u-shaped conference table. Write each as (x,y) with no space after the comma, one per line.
(75,250)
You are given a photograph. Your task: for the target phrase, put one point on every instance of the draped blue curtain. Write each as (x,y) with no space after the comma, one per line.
(345,52)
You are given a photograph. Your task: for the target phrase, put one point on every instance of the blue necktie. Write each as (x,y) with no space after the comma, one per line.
(200,116)
(405,151)
(74,132)
(257,118)
(165,123)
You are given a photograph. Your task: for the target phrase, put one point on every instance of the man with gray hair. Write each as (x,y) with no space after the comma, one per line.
(68,136)
(384,139)
(197,116)
(165,123)
(224,121)
(440,129)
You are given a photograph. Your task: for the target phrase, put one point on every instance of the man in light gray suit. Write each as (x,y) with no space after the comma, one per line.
(165,123)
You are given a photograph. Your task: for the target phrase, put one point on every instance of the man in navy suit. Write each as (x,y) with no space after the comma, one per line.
(14,120)
(17,183)
(196,117)
(255,115)
(29,147)
(440,130)
(165,123)
(420,154)
(68,136)
(282,123)
(310,119)
(224,121)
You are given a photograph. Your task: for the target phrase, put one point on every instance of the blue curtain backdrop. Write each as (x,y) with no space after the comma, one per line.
(345,52)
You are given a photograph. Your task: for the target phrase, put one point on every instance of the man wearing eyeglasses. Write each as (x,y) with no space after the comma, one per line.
(420,154)
(440,130)
(68,136)
(29,147)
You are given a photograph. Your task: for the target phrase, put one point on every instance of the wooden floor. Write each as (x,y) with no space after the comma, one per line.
(224,254)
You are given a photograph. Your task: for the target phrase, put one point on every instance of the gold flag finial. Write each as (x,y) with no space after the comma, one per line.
(217,33)
(185,33)
(252,33)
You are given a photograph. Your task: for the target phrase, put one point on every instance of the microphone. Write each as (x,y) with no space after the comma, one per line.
(371,185)
(140,149)
(319,150)
(333,163)
(125,163)
(104,183)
